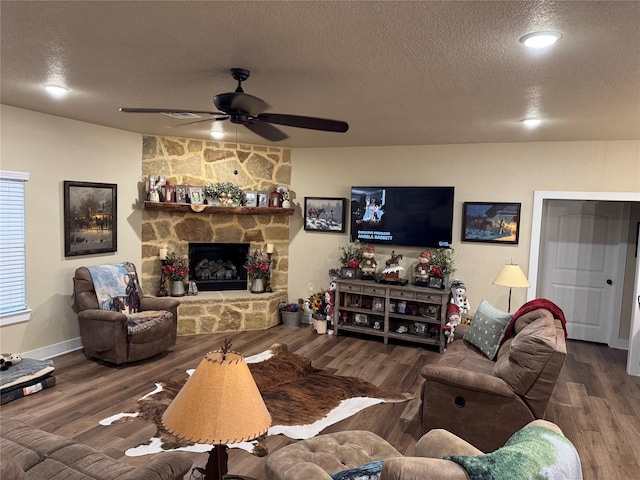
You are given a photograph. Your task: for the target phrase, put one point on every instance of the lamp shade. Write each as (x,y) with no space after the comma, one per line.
(219,404)
(511,276)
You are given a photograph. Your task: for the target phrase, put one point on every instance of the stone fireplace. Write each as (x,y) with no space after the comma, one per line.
(194,162)
(218,266)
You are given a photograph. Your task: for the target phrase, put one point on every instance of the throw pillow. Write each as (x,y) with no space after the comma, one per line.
(487,329)
(532,452)
(369,471)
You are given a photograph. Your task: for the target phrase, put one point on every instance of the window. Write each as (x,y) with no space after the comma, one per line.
(13,296)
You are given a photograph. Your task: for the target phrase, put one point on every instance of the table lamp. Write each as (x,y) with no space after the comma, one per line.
(511,276)
(219,404)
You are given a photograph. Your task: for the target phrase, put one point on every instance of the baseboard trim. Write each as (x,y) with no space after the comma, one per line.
(54,350)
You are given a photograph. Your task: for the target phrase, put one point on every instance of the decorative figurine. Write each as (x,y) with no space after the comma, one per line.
(459,296)
(391,274)
(368,264)
(453,320)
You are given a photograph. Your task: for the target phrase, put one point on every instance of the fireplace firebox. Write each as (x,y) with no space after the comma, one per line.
(218,266)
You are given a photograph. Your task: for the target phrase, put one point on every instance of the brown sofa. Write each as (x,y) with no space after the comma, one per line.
(105,335)
(484,401)
(525,454)
(27,453)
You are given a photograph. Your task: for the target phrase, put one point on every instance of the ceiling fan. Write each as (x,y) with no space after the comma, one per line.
(244,109)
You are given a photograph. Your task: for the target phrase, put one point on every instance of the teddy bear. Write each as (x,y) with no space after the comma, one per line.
(9,359)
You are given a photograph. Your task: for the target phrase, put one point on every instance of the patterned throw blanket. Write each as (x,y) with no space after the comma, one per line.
(116,287)
(531,453)
(117,290)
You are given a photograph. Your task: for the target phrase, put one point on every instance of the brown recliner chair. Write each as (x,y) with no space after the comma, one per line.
(115,337)
(484,401)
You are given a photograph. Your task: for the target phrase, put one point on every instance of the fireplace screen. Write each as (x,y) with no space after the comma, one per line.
(218,266)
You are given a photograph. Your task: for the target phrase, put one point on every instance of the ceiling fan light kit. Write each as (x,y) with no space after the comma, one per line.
(243,109)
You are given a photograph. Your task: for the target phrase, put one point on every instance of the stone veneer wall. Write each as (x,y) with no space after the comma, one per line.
(193,162)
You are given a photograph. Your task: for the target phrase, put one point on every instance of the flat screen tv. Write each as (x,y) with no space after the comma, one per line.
(405,216)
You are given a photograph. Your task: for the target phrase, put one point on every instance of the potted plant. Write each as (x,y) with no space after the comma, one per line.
(229,194)
(318,305)
(290,313)
(442,264)
(177,269)
(351,255)
(257,266)
(211,190)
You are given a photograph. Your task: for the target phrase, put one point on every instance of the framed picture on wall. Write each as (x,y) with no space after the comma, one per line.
(491,222)
(90,218)
(325,214)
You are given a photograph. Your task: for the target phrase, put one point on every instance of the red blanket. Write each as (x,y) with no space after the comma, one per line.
(555,310)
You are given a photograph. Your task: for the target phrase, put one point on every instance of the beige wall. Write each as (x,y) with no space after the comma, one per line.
(53,149)
(479,172)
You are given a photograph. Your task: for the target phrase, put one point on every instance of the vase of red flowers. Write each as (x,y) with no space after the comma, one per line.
(257,266)
(177,269)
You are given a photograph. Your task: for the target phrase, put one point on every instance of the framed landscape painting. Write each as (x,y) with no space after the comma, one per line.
(324,214)
(491,222)
(90,218)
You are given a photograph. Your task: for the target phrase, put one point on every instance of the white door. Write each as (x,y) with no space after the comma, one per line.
(582,264)
(633,359)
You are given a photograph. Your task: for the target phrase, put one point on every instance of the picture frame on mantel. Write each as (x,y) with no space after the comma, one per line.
(90,218)
(325,214)
(491,222)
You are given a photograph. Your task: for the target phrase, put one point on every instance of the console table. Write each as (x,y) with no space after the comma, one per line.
(408,313)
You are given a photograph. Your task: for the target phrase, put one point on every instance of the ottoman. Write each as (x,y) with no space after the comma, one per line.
(316,458)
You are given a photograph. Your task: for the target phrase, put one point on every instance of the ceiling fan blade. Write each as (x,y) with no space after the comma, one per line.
(312,123)
(201,121)
(168,110)
(265,130)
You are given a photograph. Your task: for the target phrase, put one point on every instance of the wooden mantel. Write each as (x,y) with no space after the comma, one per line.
(210,209)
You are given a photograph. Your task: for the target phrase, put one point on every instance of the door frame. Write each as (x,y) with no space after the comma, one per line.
(539,196)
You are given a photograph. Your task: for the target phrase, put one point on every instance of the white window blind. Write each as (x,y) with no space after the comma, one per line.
(13,297)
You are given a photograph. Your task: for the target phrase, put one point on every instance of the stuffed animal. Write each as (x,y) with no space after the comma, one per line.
(9,359)
(449,330)
(459,296)
(368,264)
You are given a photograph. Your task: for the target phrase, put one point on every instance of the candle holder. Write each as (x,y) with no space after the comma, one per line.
(162,292)
(267,287)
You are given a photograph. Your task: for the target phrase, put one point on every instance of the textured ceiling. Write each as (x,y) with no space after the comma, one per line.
(400,73)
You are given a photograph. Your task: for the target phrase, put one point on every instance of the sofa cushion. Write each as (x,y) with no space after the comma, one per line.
(487,328)
(532,452)
(522,358)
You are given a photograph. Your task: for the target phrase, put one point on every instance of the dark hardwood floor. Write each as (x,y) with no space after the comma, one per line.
(595,402)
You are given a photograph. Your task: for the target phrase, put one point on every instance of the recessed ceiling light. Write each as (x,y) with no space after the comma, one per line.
(56,91)
(540,39)
(531,122)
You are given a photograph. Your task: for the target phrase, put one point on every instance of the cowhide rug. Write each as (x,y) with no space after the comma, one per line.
(302,401)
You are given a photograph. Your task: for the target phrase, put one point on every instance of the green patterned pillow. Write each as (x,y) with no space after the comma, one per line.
(532,453)
(487,329)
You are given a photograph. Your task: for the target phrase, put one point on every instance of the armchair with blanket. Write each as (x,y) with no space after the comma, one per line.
(118,324)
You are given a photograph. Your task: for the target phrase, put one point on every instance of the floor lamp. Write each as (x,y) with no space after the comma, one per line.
(219,404)
(511,276)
